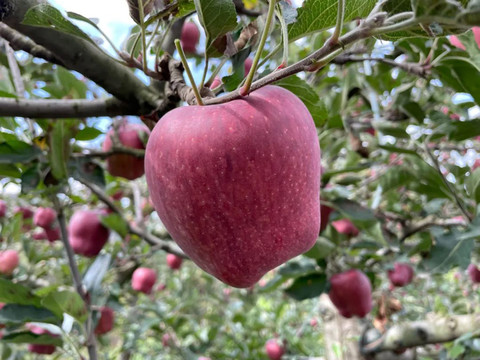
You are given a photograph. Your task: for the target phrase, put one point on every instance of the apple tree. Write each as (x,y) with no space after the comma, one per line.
(241,180)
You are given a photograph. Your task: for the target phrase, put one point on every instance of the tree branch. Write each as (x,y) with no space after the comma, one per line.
(20,42)
(425,332)
(115,150)
(66,108)
(429,221)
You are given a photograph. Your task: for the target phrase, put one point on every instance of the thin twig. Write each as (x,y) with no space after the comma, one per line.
(115,150)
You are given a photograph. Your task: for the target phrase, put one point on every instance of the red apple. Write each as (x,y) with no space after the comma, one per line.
(166,340)
(3,208)
(26,212)
(8,261)
(117,195)
(53,234)
(189,38)
(204,358)
(474,273)
(216,83)
(40,235)
(401,275)
(174,262)
(455,41)
(86,234)
(39,348)
(345,226)
(237,185)
(247,65)
(351,293)
(44,217)
(127,166)
(313,322)
(274,349)
(143,280)
(325,212)
(105,323)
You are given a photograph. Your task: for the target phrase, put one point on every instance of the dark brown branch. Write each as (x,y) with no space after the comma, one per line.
(20,42)
(166,246)
(66,108)
(115,150)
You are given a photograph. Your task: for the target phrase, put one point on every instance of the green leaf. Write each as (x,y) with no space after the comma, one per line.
(307,287)
(297,268)
(463,130)
(10,170)
(395,177)
(26,337)
(87,133)
(70,85)
(95,273)
(116,223)
(16,151)
(19,314)
(318,15)
(47,16)
(322,248)
(309,97)
(11,293)
(30,179)
(354,210)
(217,17)
(60,148)
(69,302)
(473,185)
(85,169)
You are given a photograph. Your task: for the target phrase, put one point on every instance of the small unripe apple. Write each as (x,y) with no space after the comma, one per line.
(8,261)
(26,212)
(351,293)
(44,217)
(474,273)
(143,280)
(274,349)
(129,135)
(189,37)
(346,227)
(39,348)
(3,208)
(325,212)
(86,234)
(105,323)
(174,262)
(237,184)
(247,65)
(401,275)
(216,83)
(53,234)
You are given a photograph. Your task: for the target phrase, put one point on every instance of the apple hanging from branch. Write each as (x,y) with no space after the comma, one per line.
(237,185)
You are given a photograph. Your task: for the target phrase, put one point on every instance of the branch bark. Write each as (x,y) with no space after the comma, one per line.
(419,333)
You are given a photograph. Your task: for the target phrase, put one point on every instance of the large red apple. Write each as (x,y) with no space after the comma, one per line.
(346,227)
(86,234)
(8,261)
(401,275)
(174,262)
(351,293)
(44,217)
(39,348)
(105,323)
(3,208)
(474,273)
(189,37)
(127,166)
(274,349)
(237,185)
(143,280)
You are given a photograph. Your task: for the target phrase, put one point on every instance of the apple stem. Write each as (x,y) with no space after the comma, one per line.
(205,69)
(183,58)
(142,27)
(284,28)
(339,24)
(248,83)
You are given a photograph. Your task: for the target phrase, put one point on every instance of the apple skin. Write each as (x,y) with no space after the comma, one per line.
(127,166)
(86,234)
(189,37)
(174,262)
(3,208)
(39,235)
(401,275)
(237,185)
(274,349)
(346,227)
(474,273)
(105,323)
(8,261)
(351,293)
(53,234)
(247,65)
(143,280)
(325,212)
(44,217)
